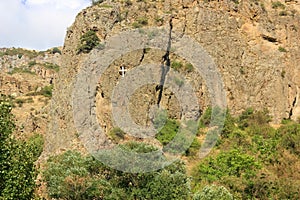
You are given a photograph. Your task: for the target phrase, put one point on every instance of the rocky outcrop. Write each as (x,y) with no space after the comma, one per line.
(254,44)
(25,75)
(23,71)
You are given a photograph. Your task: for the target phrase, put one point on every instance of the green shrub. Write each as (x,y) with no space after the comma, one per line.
(231,163)
(281,49)
(168,132)
(143,21)
(189,67)
(116,134)
(290,137)
(265,148)
(140,22)
(56,50)
(21,70)
(253,160)
(277,4)
(253,118)
(95,2)
(31,63)
(194,148)
(176,65)
(136,25)
(46,91)
(68,176)
(138,147)
(235,1)
(88,41)
(73,176)
(17,158)
(22,52)
(52,66)
(205,118)
(213,192)
(221,118)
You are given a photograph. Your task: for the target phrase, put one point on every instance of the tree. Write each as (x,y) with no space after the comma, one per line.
(88,41)
(73,176)
(17,157)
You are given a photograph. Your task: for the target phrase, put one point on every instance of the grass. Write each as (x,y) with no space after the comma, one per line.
(116,134)
(278,4)
(45,91)
(20,102)
(176,65)
(52,66)
(281,49)
(21,70)
(106,6)
(31,63)
(142,21)
(22,52)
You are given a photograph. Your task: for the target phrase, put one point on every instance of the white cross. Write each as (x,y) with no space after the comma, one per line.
(123,70)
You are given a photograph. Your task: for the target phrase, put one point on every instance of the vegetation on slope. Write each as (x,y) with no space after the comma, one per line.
(77,177)
(17,157)
(252,160)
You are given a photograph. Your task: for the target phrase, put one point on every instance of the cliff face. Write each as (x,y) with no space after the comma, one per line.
(255,45)
(25,75)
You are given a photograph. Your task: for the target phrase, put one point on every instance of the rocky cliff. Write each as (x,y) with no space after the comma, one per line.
(254,43)
(26,77)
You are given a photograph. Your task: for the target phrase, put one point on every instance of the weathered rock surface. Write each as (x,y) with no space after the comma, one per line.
(23,75)
(255,47)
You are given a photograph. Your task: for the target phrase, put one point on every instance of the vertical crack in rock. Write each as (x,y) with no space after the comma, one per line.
(292,107)
(165,66)
(143,56)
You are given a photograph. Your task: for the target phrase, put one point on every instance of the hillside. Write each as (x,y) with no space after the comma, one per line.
(218,80)
(27,77)
(254,45)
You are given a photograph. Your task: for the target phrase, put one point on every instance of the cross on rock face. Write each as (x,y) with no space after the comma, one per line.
(122,71)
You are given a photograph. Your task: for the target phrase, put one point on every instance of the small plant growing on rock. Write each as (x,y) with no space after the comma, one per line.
(278,4)
(47,91)
(142,21)
(55,50)
(189,67)
(88,41)
(176,65)
(116,134)
(281,49)
(95,2)
(31,63)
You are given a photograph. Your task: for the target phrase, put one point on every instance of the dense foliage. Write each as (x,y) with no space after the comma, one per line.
(73,176)
(213,192)
(17,157)
(252,159)
(88,41)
